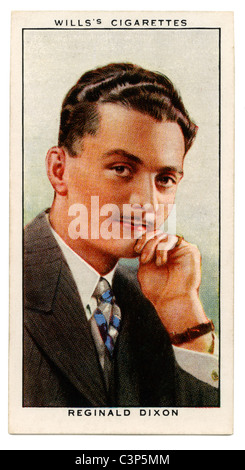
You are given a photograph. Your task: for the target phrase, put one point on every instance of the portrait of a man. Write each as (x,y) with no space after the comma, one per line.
(98,333)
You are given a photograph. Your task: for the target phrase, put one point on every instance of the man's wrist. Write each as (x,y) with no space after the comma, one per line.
(183,313)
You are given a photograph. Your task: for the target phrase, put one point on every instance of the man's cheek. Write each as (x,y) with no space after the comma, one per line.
(168,209)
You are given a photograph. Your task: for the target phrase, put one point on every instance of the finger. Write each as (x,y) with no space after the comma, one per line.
(161,257)
(169,244)
(147,237)
(149,250)
(144,239)
(164,247)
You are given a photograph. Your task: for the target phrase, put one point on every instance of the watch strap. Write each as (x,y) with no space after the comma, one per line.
(191,333)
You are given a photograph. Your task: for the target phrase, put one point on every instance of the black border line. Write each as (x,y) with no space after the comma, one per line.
(118,29)
(22,242)
(219,213)
(219,152)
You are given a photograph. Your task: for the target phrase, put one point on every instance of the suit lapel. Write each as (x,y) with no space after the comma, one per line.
(55,316)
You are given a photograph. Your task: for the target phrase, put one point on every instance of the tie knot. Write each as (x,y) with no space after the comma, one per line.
(103,292)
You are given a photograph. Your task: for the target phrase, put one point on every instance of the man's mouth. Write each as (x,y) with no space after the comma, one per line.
(137,224)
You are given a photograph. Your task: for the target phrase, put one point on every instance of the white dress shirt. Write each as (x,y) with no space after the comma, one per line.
(203,366)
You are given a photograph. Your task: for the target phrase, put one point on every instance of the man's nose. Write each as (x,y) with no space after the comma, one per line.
(145,193)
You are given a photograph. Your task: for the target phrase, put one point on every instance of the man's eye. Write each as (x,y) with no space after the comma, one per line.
(165,181)
(122,170)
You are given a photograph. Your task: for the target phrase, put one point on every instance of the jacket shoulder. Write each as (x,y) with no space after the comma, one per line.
(35,230)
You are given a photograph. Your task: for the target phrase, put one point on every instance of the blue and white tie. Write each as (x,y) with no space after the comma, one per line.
(107,314)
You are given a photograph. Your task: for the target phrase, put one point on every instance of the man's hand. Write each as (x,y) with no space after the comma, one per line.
(170,277)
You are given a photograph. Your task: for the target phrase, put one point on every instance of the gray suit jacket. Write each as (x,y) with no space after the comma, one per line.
(61,366)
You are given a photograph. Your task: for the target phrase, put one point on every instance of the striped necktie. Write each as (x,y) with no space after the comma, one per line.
(107,314)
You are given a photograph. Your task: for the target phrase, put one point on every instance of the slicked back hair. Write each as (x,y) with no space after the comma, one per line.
(125,84)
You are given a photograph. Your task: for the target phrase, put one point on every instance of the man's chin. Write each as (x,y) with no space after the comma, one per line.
(125,248)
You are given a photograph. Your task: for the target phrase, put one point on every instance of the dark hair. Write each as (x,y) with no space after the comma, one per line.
(126,84)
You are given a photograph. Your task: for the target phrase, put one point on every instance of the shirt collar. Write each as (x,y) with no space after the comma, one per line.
(85,276)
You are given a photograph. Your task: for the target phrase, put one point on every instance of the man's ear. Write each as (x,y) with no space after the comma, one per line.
(55,167)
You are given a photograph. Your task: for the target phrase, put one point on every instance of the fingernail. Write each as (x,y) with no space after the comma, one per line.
(144,257)
(137,248)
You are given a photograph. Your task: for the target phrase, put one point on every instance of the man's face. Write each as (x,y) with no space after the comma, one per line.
(132,161)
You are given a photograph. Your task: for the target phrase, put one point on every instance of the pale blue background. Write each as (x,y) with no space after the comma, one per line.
(54,60)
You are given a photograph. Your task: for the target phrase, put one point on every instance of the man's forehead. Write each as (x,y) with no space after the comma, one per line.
(133,132)
(109,112)
(115,118)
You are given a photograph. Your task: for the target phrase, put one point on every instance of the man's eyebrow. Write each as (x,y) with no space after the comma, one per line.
(122,153)
(171,169)
(135,159)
